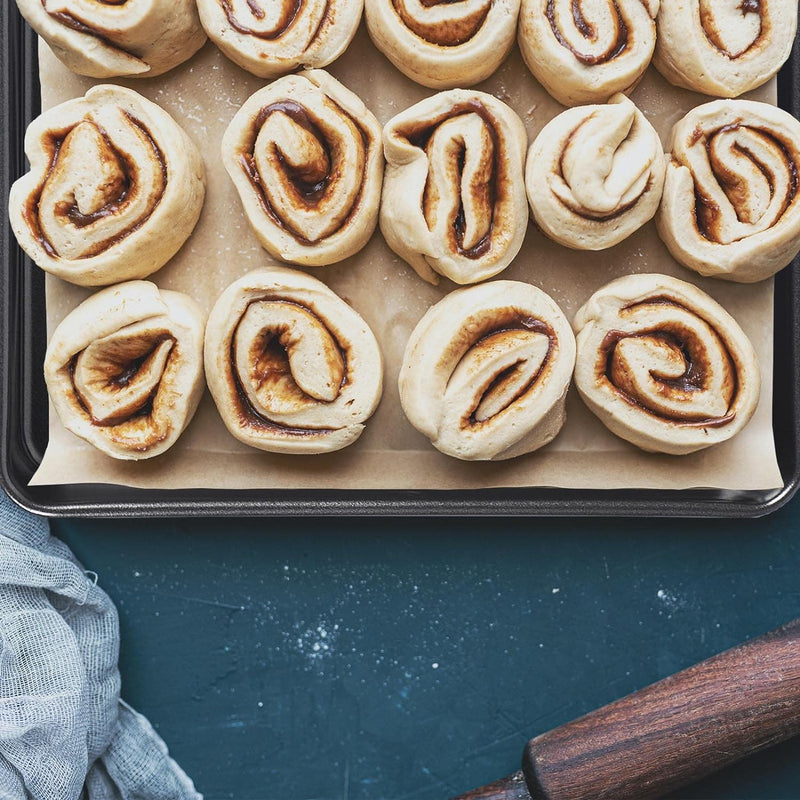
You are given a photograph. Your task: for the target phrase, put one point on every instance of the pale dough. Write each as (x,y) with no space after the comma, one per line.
(454,190)
(486,371)
(724,47)
(730,207)
(291,367)
(124,370)
(305,156)
(663,365)
(595,174)
(114,189)
(135,38)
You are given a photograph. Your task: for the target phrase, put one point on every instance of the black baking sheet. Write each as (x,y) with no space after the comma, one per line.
(24,407)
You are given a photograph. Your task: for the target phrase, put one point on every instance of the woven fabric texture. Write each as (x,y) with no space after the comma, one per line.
(64,732)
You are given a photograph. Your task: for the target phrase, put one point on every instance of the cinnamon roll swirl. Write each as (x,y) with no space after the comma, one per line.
(663,365)
(595,174)
(730,207)
(454,190)
(124,370)
(585,52)
(115,188)
(444,43)
(486,371)
(292,367)
(305,155)
(724,47)
(114,38)
(271,39)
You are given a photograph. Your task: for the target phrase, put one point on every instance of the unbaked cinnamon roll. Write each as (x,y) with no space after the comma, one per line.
(292,367)
(114,38)
(454,190)
(115,188)
(730,207)
(444,44)
(724,48)
(486,371)
(595,174)
(663,365)
(124,370)
(270,39)
(305,155)
(587,52)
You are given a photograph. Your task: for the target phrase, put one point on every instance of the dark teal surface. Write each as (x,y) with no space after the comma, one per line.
(412,660)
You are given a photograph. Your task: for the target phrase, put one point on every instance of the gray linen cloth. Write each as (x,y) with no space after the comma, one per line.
(64,732)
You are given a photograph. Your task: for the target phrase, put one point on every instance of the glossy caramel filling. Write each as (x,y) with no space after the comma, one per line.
(271,365)
(120,190)
(454,32)
(618,45)
(681,344)
(117,384)
(291,11)
(311,181)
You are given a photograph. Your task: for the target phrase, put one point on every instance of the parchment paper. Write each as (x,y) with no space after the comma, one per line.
(203,96)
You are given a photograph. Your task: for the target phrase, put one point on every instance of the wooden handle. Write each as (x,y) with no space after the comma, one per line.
(677,730)
(514,787)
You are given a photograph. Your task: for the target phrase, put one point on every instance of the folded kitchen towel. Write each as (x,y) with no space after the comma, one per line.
(64,732)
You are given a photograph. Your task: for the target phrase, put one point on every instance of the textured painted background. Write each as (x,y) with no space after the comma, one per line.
(412,660)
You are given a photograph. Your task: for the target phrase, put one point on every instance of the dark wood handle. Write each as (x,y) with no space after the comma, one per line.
(677,730)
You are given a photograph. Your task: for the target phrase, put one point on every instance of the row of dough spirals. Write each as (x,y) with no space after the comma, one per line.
(293,368)
(116,186)
(579,51)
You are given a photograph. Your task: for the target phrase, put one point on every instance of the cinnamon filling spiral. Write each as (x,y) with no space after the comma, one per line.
(591,42)
(117,382)
(308,171)
(469,223)
(72,19)
(114,190)
(735,27)
(745,182)
(680,371)
(110,38)
(270,21)
(663,365)
(507,363)
(585,51)
(78,213)
(305,156)
(731,205)
(445,23)
(465,190)
(724,47)
(291,367)
(124,369)
(271,38)
(444,43)
(486,369)
(286,360)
